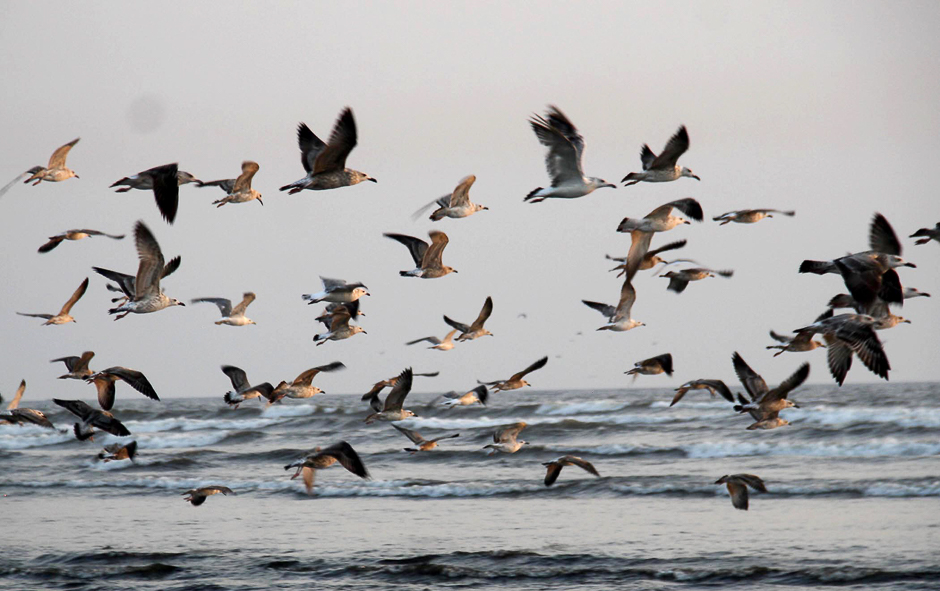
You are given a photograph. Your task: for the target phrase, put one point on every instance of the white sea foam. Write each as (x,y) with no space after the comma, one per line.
(888,446)
(33,436)
(186,424)
(842,416)
(591,406)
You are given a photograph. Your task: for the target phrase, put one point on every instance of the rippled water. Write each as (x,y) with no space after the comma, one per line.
(854,496)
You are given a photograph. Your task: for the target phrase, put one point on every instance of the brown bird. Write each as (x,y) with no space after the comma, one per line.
(77,366)
(652,366)
(516,380)
(63,316)
(737,486)
(373,395)
(165,181)
(422,443)
(198,496)
(320,459)
(468,333)
(712,386)
(765,404)
(56,170)
(74,235)
(104,382)
(92,417)
(555,466)
(427,257)
(118,451)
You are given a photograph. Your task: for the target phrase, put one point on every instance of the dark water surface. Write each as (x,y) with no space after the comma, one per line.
(854,497)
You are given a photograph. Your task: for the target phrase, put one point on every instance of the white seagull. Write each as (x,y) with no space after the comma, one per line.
(663,168)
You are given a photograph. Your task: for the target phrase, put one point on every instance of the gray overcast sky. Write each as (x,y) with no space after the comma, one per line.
(826,108)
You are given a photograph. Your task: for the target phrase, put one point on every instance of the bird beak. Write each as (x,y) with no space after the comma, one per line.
(76,176)
(368,294)
(911,265)
(686,222)
(372,179)
(486,208)
(695,176)
(364,332)
(795,405)
(182,304)
(260,201)
(455,270)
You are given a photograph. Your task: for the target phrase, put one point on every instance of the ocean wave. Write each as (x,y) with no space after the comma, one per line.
(871,448)
(840,416)
(30,436)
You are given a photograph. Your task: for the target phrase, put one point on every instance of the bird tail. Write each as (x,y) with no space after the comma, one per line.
(436,216)
(532,194)
(817,267)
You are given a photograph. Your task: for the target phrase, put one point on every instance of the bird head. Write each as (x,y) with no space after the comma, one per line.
(686,172)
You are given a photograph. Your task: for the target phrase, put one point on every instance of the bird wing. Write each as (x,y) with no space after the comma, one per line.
(416,246)
(310,146)
(306,378)
(738,494)
(340,319)
(537,365)
(396,397)
(432,256)
(15,403)
(243,181)
(484,314)
(414,436)
(150,268)
(565,145)
(625,305)
(864,342)
(664,361)
(639,248)
(675,147)
(554,469)
(106,422)
(838,357)
(461,195)
(247,298)
(720,387)
(457,325)
(58,157)
(689,207)
(331,284)
(605,309)
(671,246)
(76,295)
(76,407)
(105,388)
(584,464)
(226,185)
(881,236)
(10,185)
(647,157)
(136,379)
(237,375)
(52,243)
(508,433)
(347,457)
(342,141)
(788,385)
(166,189)
(752,382)
(46,316)
(785,339)
(433,340)
(754,482)
(225,305)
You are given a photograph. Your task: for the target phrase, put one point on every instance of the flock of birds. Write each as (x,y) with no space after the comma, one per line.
(870,276)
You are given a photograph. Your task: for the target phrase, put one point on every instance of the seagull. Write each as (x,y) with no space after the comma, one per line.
(749,216)
(302,386)
(326,163)
(477,395)
(650,259)
(737,486)
(144,181)
(662,168)
(563,161)
(475,330)
(766,404)
(241,191)
(56,170)
(504,439)
(392,409)
(242,389)
(118,451)
(427,258)
(336,290)
(712,386)
(373,395)
(555,466)
(92,417)
(26,415)
(320,459)
(231,316)
(846,334)
(801,342)
(869,275)
(652,366)
(619,319)
(516,380)
(104,383)
(148,297)
(679,280)
(455,205)
(165,183)
(926,235)
(339,328)
(333,308)
(198,496)
(441,345)
(422,443)
(659,220)
(878,310)
(127,284)
(74,235)
(63,316)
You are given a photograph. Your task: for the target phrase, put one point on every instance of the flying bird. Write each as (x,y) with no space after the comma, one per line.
(165,183)
(320,459)
(619,318)
(392,409)
(422,443)
(74,235)
(231,316)
(652,366)
(302,386)
(104,382)
(242,390)
(337,291)
(241,191)
(679,280)
(641,230)
(796,344)
(26,415)
(505,439)
(475,330)
(846,334)
(713,386)
(326,163)
(198,496)
(516,380)
(127,284)
(555,466)
(352,308)
(749,216)
(92,418)
(650,259)
(339,328)
(118,451)
(441,345)
(372,396)
(427,258)
(148,297)
(478,395)
(144,181)
(737,486)
(455,205)
(56,170)
(63,316)
(563,160)
(765,404)
(662,168)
